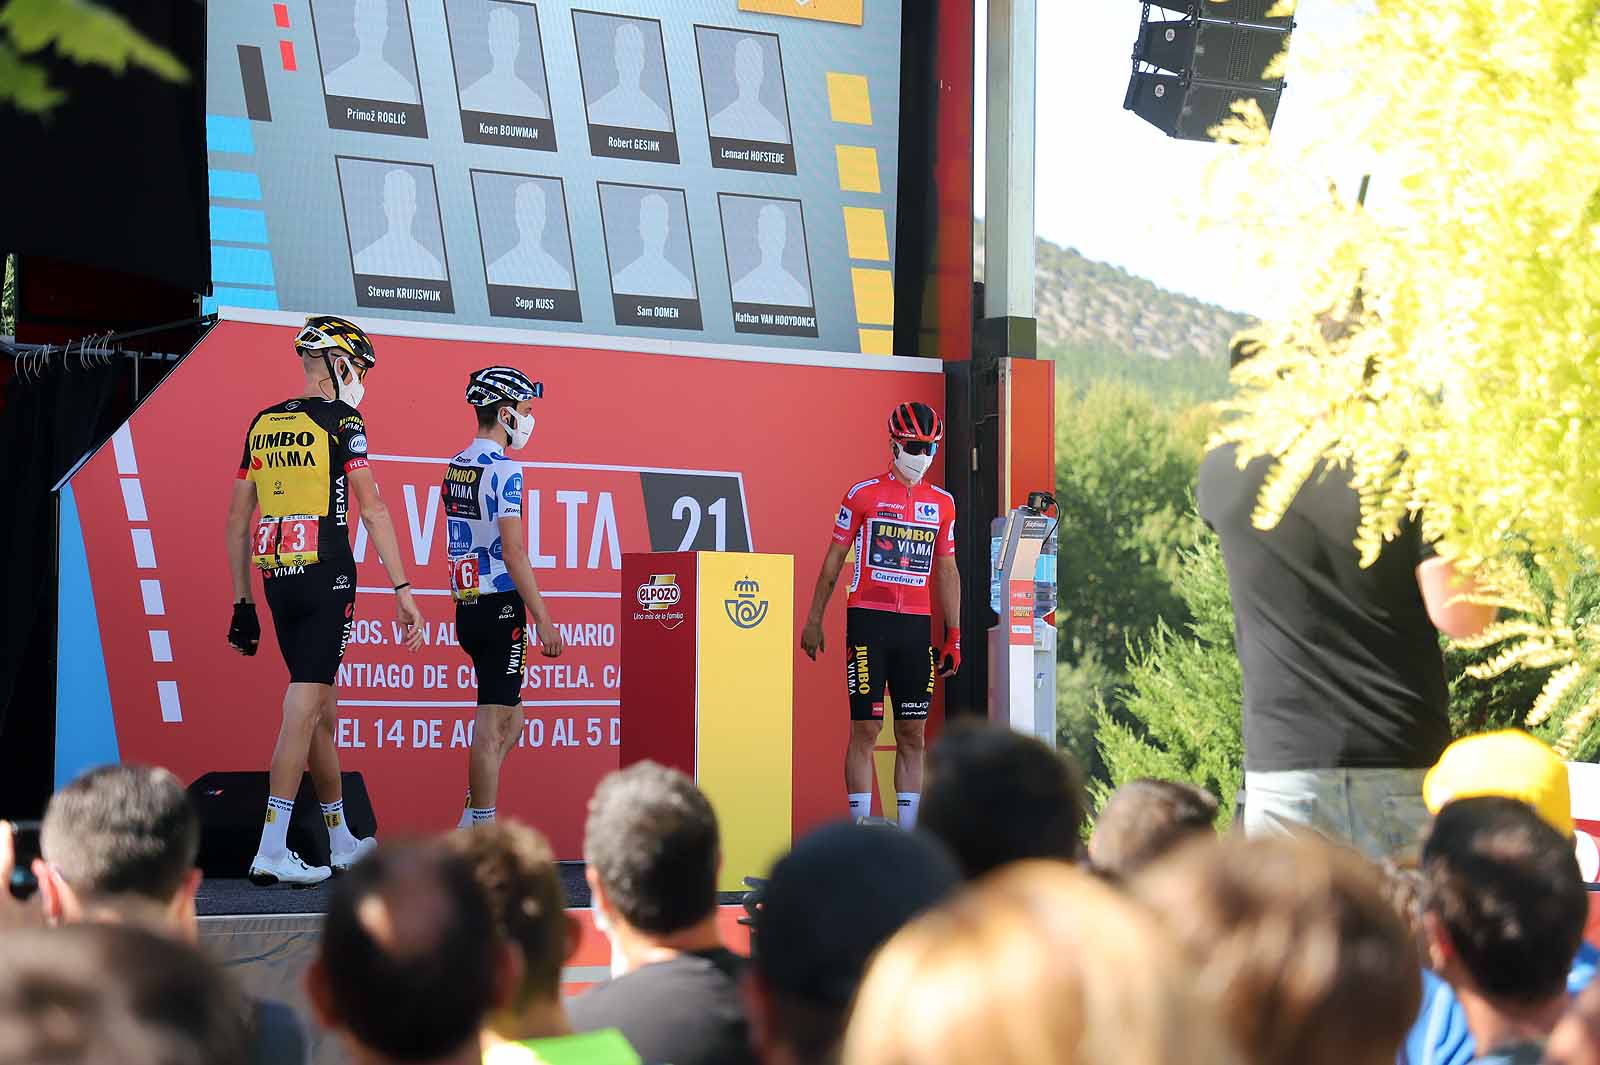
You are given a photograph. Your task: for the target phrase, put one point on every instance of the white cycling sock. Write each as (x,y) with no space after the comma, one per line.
(860,805)
(339,838)
(275,830)
(482,815)
(908,801)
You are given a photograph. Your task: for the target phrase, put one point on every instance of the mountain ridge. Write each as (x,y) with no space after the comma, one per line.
(1085,306)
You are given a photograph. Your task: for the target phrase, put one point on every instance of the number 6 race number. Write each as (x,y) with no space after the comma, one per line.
(464,578)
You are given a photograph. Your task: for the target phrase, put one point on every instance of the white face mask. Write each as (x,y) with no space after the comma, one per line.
(519,428)
(911,467)
(347,384)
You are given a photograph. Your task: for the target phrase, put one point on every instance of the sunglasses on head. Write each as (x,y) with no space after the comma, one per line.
(919,447)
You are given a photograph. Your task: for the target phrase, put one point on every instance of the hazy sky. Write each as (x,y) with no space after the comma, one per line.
(1123,182)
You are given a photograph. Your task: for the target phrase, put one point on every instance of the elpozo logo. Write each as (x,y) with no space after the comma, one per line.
(660,592)
(744,609)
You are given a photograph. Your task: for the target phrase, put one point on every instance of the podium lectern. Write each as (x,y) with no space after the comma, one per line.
(707,651)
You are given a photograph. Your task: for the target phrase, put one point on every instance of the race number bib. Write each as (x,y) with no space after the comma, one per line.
(287,541)
(464,578)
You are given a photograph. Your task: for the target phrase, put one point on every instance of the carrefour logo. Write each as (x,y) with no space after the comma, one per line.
(660,592)
(744,610)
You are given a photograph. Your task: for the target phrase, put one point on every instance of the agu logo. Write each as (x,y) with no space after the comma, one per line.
(660,593)
(744,610)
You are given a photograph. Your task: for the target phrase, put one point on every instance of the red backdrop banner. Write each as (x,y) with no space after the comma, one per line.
(632,452)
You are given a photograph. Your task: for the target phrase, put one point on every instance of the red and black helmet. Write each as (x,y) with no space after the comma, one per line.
(916,421)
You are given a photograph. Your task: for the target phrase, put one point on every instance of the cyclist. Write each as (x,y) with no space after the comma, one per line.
(491,578)
(903,533)
(303,459)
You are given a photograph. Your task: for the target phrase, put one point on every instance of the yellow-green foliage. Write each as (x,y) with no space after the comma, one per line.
(1463,383)
(84,32)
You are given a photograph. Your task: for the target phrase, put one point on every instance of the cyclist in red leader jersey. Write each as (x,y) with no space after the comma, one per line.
(904,536)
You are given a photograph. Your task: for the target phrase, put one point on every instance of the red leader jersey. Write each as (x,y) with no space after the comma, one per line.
(898,532)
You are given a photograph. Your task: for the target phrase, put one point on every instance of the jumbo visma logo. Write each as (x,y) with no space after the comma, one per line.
(744,609)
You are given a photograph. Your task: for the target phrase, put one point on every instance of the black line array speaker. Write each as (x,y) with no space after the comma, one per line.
(1188,72)
(231,807)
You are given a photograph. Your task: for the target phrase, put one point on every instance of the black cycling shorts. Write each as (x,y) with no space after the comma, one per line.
(883,648)
(314,613)
(493,630)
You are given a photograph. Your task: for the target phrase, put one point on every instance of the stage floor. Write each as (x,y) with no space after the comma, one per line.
(237,897)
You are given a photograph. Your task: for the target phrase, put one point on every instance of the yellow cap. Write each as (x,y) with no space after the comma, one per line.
(1510,764)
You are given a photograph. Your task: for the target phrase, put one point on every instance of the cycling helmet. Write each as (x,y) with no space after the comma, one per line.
(501,384)
(330,336)
(916,421)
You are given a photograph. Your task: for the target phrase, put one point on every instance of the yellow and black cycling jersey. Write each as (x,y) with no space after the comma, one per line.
(298,454)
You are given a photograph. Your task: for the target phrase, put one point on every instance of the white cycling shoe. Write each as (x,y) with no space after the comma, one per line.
(288,869)
(343,860)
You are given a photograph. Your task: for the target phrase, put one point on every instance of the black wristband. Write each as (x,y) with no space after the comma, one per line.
(402,584)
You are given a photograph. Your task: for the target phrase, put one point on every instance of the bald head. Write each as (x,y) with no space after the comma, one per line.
(408,954)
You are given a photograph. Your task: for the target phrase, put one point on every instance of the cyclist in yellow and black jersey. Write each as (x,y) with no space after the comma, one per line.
(299,454)
(303,460)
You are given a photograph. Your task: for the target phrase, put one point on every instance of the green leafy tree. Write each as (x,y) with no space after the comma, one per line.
(1125,470)
(1442,342)
(77,30)
(1126,463)
(1180,714)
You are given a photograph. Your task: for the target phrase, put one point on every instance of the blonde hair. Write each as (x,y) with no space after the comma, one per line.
(1039,962)
(1293,943)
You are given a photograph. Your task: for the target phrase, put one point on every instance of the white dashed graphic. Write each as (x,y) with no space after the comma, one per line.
(144,556)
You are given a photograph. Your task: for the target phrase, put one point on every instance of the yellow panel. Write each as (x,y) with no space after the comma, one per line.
(848,98)
(877,341)
(744,742)
(846,11)
(866,233)
(883,761)
(874,295)
(858,168)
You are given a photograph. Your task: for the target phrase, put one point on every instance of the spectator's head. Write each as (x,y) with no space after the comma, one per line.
(1576,1040)
(1041,962)
(652,852)
(831,902)
(107,994)
(1504,904)
(119,843)
(516,870)
(1510,764)
(1145,819)
(411,963)
(1403,887)
(1294,942)
(995,796)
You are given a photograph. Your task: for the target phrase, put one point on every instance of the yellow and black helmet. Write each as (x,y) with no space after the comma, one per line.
(330,336)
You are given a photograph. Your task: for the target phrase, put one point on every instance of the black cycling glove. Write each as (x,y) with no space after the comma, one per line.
(245,632)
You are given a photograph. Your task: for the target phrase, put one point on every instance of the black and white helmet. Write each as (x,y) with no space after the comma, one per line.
(501,384)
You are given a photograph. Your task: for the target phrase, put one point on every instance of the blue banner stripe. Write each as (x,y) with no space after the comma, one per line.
(226,134)
(243,266)
(238,225)
(86,731)
(234,185)
(264,298)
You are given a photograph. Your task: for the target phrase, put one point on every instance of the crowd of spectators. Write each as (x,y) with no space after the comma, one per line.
(990,934)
